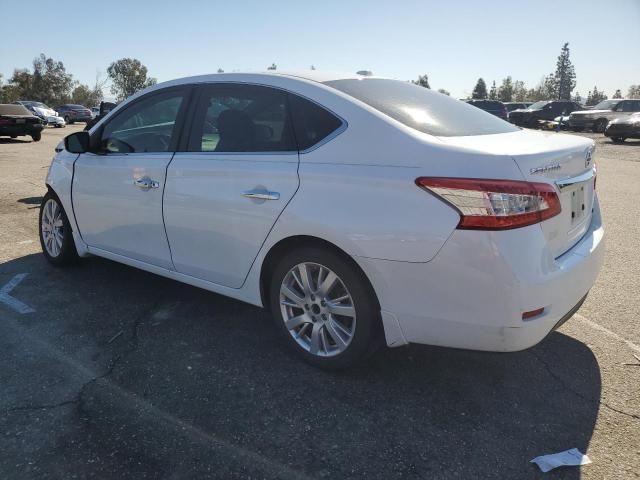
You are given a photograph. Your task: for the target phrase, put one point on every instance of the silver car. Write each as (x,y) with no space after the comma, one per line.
(599,117)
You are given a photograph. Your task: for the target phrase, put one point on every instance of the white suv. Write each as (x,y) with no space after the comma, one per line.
(599,117)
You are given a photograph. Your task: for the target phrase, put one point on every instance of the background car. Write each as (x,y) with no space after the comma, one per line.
(543,110)
(599,116)
(511,106)
(620,129)
(492,106)
(17,120)
(74,113)
(42,111)
(103,109)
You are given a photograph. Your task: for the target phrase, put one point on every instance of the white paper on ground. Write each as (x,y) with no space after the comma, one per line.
(568,458)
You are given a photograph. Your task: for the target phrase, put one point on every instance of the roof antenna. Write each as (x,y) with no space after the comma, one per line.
(365,73)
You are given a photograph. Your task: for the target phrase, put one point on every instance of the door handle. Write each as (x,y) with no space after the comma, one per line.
(145,183)
(261,195)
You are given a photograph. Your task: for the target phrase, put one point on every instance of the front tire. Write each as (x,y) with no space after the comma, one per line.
(324,308)
(56,237)
(618,139)
(36,136)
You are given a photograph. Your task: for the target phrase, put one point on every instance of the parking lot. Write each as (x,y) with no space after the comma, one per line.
(111,372)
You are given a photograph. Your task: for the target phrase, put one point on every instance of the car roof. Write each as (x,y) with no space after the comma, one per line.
(308,75)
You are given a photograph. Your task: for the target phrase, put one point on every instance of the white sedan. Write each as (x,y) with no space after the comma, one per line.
(357,209)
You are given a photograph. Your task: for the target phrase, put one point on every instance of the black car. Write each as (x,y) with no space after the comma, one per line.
(543,110)
(105,107)
(511,106)
(620,129)
(74,113)
(492,106)
(16,121)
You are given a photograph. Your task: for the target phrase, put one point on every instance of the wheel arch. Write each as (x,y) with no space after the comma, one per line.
(298,241)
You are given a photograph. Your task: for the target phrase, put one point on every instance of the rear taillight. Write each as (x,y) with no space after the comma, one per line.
(495,204)
(5,121)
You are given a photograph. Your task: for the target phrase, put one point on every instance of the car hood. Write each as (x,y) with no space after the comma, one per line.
(632,120)
(47,112)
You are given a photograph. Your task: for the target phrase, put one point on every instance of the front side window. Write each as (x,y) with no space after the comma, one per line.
(242,118)
(422,109)
(146,126)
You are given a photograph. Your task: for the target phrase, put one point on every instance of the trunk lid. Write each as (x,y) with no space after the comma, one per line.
(566,161)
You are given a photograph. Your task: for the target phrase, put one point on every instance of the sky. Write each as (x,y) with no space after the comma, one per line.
(455,41)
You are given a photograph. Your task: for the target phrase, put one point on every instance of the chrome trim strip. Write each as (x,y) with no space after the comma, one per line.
(568,182)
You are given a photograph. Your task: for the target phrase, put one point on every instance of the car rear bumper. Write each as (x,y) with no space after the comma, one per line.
(21,130)
(473,294)
(616,130)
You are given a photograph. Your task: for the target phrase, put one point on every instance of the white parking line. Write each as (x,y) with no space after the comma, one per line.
(12,302)
(606,331)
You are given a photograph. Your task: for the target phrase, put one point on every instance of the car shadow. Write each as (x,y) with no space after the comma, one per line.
(13,140)
(202,383)
(627,143)
(30,200)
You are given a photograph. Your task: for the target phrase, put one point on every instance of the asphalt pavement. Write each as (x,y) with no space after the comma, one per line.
(112,372)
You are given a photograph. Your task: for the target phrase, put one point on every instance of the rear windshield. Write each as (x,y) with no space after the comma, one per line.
(486,104)
(13,110)
(606,105)
(538,105)
(421,108)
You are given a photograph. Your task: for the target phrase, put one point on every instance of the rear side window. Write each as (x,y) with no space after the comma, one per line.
(421,108)
(312,123)
(242,118)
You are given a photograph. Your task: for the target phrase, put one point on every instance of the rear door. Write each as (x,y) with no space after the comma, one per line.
(117,191)
(226,191)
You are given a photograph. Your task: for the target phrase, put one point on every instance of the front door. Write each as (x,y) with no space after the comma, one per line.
(117,191)
(224,194)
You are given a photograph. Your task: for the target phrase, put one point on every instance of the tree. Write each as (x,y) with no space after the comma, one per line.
(313,67)
(577,98)
(423,81)
(49,83)
(128,76)
(505,92)
(493,93)
(83,95)
(444,92)
(595,96)
(618,94)
(565,75)
(220,70)
(634,91)
(272,67)
(519,91)
(480,90)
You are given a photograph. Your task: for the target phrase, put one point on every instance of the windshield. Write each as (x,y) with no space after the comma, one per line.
(606,105)
(538,105)
(421,108)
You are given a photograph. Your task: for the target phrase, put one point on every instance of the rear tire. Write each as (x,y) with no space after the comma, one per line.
(332,323)
(600,125)
(36,136)
(618,139)
(56,238)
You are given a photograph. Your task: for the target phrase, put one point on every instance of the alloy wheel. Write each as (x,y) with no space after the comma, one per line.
(317,309)
(52,227)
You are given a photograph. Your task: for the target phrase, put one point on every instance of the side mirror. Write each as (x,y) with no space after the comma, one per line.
(78,142)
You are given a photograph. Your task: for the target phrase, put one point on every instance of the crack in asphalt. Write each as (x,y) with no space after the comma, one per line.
(78,399)
(561,381)
(27,408)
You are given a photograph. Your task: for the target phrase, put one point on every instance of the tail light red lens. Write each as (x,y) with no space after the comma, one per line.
(495,204)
